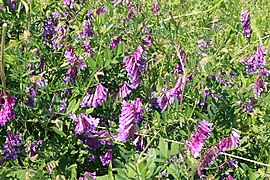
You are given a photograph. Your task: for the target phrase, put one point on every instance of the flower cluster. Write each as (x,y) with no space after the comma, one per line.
(210,155)
(106,158)
(208,158)
(256,64)
(7,105)
(256,61)
(84,123)
(156,8)
(179,68)
(196,141)
(96,99)
(11,148)
(32,148)
(134,65)
(229,142)
(245,18)
(168,95)
(131,114)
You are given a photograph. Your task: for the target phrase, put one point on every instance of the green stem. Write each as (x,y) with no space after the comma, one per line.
(2,69)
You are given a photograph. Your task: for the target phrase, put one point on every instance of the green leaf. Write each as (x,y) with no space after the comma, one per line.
(110,174)
(71,106)
(163,147)
(92,64)
(61,133)
(108,54)
(76,107)
(174,149)
(252,175)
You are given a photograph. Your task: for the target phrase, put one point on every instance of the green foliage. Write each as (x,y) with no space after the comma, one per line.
(165,154)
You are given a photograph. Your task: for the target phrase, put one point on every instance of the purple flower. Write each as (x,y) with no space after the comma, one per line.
(96,99)
(90,14)
(208,158)
(92,142)
(87,29)
(11,149)
(114,43)
(84,123)
(256,61)
(31,149)
(148,41)
(168,96)
(156,8)
(69,3)
(86,44)
(30,101)
(229,178)
(139,143)
(71,74)
(245,19)
(7,105)
(229,142)
(106,158)
(70,55)
(131,114)
(48,29)
(196,141)
(91,175)
(135,64)
(102,10)
(232,74)
(124,91)
(257,89)
(179,69)
(56,15)
(59,37)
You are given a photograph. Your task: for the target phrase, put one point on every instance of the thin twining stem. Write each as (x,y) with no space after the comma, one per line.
(245,159)
(2,70)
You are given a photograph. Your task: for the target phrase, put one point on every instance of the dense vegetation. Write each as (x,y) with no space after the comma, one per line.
(134,89)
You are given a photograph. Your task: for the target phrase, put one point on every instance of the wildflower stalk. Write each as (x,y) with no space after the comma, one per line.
(2,70)
(245,159)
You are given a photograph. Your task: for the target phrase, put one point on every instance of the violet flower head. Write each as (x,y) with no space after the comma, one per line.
(87,29)
(31,149)
(135,64)
(124,91)
(229,142)
(148,40)
(86,44)
(208,158)
(102,10)
(92,175)
(30,101)
(114,43)
(106,158)
(131,114)
(156,8)
(139,142)
(11,148)
(59,37)
(92,142)
(245,19)
(7,105)
(256,61)
(69,3)
(96,99)
(48,29)
(84,123)
(71,74)
(257,88)
(70,55)
(196,141)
